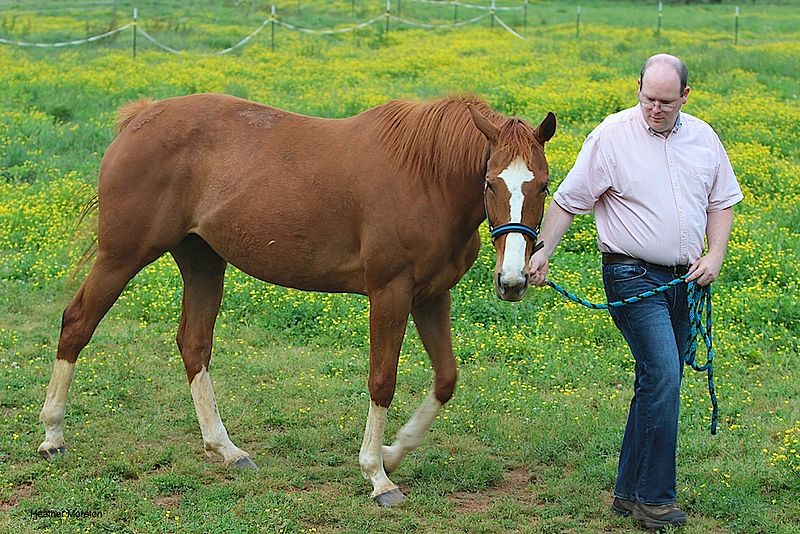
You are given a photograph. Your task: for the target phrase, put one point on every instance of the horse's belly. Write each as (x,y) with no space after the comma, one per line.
(291,261)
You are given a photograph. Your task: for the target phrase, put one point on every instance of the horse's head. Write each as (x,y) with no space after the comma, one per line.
(517,177)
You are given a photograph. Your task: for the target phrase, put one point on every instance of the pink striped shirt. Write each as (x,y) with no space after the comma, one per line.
(650,195)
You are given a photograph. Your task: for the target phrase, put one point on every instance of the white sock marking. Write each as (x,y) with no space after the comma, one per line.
(215,437)
(371,456)
(52,414)
(413,432)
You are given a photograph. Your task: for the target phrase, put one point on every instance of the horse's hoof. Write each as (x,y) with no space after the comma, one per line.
(390,498)
(49,454)
(244,463)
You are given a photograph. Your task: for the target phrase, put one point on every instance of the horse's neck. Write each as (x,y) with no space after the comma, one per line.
(433,143)
(463,205)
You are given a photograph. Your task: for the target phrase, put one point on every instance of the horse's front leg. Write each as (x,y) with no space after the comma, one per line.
(432,319)
(388,317)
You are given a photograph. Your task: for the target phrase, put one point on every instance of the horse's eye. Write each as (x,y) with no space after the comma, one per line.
(546,189)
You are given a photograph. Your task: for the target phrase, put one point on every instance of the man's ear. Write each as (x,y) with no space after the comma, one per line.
(686,93)
(489,130)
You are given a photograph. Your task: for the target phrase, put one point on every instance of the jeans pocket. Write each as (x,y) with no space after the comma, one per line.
(627,273)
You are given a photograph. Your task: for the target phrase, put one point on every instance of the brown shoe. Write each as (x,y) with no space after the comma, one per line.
(622,507)
(659,516)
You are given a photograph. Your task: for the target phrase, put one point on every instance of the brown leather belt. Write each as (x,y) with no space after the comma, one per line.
(610,258)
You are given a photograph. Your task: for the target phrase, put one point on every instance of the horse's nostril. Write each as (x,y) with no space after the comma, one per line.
(511,291)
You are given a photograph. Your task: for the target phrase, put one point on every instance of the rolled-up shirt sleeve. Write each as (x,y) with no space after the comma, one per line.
(725,190)
(587,180)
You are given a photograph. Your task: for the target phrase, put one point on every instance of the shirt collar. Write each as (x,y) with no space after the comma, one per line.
(643,122)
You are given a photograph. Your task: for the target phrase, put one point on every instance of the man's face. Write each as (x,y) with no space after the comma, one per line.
(660,88)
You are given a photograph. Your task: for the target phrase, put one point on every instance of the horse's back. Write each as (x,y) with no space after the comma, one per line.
(268,189)
(300,201)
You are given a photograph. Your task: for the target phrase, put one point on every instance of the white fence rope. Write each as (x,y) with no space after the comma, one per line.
(330,32)
(82,6)
(508,28)
(153,40)
(243,41)
(434,26)
(444,3)
(67,43)
(218,53)
(490,12)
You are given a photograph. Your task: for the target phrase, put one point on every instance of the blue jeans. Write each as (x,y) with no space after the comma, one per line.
(656,330)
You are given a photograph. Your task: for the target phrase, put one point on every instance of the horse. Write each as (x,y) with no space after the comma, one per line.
(386,203)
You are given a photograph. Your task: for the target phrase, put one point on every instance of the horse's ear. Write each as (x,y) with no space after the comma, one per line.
(547,128)
(482,123)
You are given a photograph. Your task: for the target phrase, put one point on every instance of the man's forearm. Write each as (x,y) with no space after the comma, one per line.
(555,224)
(718,231)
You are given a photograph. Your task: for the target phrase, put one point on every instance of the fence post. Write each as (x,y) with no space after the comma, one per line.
(455,12)
(736,28)
(578,22)
(492,12)
(525,15)
(388,11)
(658,28)
(399,4)
(353,8)
(272,28)
(135,23)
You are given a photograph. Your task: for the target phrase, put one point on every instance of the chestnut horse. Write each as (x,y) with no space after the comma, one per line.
(386,204)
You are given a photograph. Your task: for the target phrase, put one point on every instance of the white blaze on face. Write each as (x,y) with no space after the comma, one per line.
(513,269)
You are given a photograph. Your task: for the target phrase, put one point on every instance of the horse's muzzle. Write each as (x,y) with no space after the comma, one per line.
(511,292)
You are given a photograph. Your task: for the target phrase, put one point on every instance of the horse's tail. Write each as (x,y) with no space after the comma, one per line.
(91,250)
(128,111)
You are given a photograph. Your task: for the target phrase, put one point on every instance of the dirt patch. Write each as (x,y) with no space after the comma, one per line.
(170,501)
(19,493)
(515,483)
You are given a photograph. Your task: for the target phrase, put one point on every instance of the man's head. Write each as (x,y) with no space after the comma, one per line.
(662,84)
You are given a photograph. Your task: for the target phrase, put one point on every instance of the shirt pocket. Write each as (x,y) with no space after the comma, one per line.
(699,184)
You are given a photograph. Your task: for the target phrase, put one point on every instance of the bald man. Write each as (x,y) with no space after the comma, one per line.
(659,182)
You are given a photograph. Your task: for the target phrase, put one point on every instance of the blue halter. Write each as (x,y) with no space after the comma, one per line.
(508,228)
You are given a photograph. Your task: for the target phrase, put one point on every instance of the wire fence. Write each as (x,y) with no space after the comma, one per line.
(492,12)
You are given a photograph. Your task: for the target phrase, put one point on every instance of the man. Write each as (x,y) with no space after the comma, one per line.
(658,181)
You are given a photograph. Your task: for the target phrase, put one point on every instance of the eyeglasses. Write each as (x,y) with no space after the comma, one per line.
(666,107)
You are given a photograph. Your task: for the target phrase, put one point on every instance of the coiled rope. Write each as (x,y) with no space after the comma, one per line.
(699,301)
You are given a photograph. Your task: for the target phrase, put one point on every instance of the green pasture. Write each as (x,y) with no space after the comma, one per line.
(529,442)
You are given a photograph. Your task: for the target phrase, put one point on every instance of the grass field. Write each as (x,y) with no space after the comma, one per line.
(529,442)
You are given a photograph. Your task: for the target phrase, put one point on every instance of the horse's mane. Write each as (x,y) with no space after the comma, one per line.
(434,139)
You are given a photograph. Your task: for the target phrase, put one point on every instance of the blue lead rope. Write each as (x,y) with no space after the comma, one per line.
(699,300)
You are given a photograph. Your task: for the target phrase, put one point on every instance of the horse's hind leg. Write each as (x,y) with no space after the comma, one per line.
(203,273)
(432,319)
(98,292)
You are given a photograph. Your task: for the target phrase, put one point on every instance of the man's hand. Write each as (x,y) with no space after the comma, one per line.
(718,229)
(555,223)
(706,269)
(538,268)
